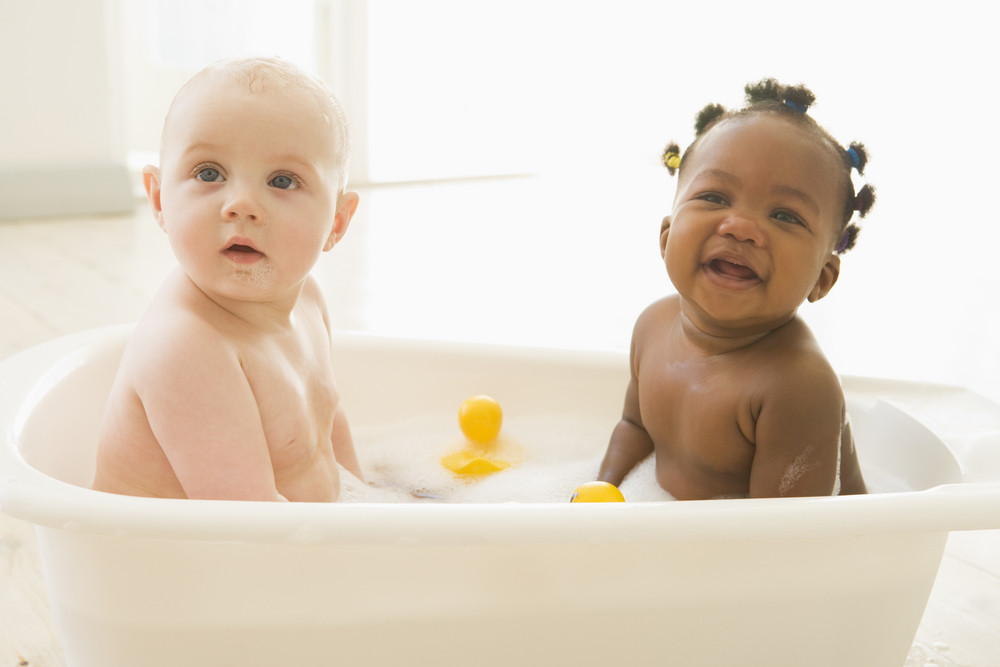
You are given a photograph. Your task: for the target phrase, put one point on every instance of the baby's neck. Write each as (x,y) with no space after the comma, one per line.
(710,341)
(273,314)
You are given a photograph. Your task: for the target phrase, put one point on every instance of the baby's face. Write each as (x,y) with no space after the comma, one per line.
(248,188)
(755,220)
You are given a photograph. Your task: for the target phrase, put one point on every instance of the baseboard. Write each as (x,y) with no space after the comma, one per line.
(63,190)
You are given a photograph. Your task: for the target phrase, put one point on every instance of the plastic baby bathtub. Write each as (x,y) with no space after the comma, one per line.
(813,581)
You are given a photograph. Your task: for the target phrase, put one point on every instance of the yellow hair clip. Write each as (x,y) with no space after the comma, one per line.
(672,160)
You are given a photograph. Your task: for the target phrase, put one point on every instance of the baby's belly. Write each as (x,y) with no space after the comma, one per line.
(686,481)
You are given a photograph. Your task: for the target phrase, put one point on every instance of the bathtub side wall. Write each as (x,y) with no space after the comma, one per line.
(816,601)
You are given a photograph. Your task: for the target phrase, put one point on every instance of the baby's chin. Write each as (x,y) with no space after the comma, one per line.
(259,275)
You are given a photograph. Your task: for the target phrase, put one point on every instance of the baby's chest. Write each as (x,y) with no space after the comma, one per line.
(696,414)
(296,397)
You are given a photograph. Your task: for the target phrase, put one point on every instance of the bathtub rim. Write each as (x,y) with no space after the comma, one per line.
(31,495)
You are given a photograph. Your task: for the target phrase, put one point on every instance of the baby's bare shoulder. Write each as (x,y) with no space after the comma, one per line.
(170,340)
(795,348)
(313,301)
(656,317)
(311,291)
(794,369)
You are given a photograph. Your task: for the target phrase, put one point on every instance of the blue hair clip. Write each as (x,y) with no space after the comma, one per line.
(795,106)
(854,157)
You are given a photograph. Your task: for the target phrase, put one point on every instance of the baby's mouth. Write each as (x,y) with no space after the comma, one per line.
(732,272)
(731,269)
(242,253)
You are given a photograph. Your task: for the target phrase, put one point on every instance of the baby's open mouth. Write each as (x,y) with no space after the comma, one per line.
(732,272)
(242,253)
(731,269)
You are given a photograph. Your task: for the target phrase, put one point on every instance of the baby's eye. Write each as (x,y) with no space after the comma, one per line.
(209,175)
(713,198)
(284,182)
(789,218)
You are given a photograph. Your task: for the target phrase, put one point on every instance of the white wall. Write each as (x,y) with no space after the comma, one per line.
(61,142)
(592,89)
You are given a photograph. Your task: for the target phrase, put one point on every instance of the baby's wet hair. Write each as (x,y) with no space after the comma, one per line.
(791,103)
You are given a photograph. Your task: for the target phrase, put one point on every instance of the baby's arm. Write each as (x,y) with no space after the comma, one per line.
(343,444)
(798,436)
(205,417)
(630,443)
(340,433)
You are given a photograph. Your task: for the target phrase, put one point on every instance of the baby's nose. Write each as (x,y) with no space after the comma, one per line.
(242,205)
(742,227)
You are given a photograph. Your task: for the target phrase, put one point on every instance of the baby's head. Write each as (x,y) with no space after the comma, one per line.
(790,104)
(764,208)
(307,98)
(251,183)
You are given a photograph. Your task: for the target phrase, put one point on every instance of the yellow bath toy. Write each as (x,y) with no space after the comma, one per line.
(480,418)
(597,492)
(469,461)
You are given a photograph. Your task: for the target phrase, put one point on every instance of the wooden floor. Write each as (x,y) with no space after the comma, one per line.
(495,261)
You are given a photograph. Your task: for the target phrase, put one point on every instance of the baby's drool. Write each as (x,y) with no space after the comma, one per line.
(260,274)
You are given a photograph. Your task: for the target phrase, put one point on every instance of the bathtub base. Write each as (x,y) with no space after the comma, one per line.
(774,602)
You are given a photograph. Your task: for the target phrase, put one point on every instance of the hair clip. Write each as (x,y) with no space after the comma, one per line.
(672,160)
(846,241)
(858,156)
(795,106)
(854,157)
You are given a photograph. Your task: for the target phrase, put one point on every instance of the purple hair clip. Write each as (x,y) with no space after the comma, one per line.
(845,240)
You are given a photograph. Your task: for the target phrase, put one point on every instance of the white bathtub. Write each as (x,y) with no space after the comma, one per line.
(814,581)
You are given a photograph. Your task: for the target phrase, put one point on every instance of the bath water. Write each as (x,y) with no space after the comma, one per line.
(554,454)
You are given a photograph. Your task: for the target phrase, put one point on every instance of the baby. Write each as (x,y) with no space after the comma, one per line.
(225,389)
(729,388)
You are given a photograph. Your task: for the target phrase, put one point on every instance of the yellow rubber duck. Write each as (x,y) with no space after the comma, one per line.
(484,453)
(597,492)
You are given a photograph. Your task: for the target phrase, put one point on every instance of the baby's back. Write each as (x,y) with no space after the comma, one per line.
(208,405)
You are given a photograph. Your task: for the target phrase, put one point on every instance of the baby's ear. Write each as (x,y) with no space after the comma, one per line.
(347,204)
(827,278)
(151,181)
(664,231)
